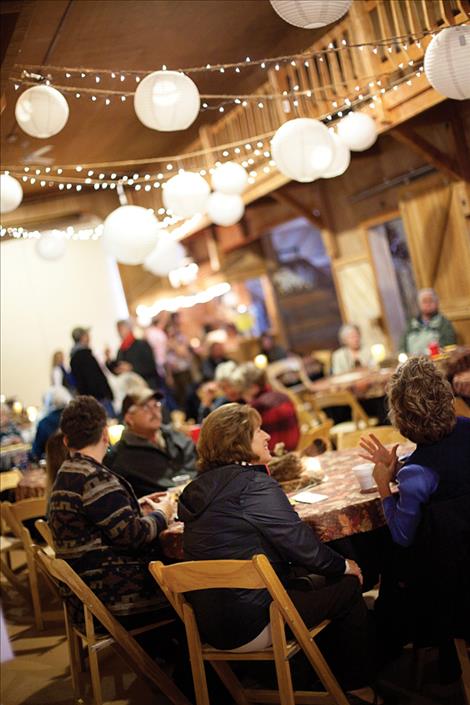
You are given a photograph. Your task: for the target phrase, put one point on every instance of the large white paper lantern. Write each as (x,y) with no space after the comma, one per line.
(167,101)
(358,131)
(51,245)
(341,159)
(302,149)
(447,62)
(230,178)
(166,256)
(130,233)
(225,209)
(310,14)
(186,194)
(42,111)
(11,193)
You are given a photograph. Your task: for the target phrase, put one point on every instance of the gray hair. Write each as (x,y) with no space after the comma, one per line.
(345,330)
(247,375)
(224,372)
(428,290)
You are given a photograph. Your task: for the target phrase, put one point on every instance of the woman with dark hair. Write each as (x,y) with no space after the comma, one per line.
(422,409)
(235,510)
(56,454)
(97,523)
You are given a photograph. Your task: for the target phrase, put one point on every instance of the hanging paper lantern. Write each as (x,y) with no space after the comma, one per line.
(130,233)
(166,256)
(310,14)
(358,131)
(230,178)
(167,101)
(302,149)
(341,159)
(186,194)
(42,111)
(225,210)
(447,62)
(51,245)
(11,193)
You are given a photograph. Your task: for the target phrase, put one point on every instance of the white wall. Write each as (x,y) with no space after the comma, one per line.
(41,301)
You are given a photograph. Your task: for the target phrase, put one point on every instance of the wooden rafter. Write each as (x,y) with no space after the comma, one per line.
(299,208)
(461,144)
(406,135)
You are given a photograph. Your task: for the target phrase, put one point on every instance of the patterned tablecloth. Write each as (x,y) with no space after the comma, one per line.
(344,512)
(455,361)
(33,484)
(461,384)
(363,383)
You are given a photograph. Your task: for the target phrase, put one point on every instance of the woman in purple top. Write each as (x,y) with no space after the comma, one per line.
(421,407)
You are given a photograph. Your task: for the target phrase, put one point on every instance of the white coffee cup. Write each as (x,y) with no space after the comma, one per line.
(363,473)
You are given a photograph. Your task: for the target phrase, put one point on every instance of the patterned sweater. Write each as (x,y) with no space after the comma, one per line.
(98,528)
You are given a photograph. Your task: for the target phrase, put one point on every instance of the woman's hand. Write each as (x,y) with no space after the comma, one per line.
(375,451)
(352,568)
(383,476)
(165,505)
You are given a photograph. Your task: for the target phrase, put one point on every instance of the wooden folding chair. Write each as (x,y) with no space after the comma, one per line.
(360,419)
(121,639)
(256,574)
(385,434)
(43,528)
(15,514)
(321,432)
(461,407)
(294,365)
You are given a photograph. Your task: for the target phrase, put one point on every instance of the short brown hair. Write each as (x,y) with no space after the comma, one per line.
(82,422)
(421,401)
(226,436)
(56,453)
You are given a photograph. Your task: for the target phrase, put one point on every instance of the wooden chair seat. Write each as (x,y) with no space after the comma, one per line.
(177,579)
(385,434)
(321,432)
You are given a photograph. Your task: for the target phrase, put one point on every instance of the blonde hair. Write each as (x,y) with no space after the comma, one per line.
(421,401)
(226,436)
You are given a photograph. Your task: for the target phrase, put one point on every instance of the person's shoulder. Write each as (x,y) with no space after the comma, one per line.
(180,439)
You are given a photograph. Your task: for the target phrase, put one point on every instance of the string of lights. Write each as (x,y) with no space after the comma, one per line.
(395,42)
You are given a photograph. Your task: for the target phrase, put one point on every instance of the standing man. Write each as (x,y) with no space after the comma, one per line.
(429,326)
(89,377)
(138,354)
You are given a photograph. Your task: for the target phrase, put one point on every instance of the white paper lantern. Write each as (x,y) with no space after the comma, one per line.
(447,62)
(11,193)
(310,14)
(225,209)
(341,159)
(130,233)
(358,131)
(167,255)
(42,111)
(302,149)
(51,245)
(230,178)
(167,101)
(186,194)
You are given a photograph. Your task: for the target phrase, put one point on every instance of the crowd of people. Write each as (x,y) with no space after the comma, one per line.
(109,505)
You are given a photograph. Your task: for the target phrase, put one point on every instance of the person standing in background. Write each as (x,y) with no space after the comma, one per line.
(138,354)
(60,376)
(158,341)
(89,377)
(429,326)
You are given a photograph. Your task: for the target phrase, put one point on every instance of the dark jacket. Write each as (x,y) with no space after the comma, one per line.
(140,356)
(147,467)
(237,512)
(89,377)
(46,427)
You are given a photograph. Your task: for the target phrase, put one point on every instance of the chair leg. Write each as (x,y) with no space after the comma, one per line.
(284,677)
(93,658)
(14,580)
(197,664)
(73,643)
(35,597)
(464,660)
(230,681)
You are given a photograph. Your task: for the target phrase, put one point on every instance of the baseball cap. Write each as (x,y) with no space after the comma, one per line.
(78,332)
(139,399)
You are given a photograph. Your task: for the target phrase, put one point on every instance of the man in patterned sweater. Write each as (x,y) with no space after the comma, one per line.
(98,525)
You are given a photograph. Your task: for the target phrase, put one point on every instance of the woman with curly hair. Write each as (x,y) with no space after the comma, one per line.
(421,408)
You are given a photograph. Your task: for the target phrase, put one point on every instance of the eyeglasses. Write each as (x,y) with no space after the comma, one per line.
(151,405)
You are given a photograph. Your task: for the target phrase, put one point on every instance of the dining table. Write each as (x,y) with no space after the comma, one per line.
(461,384)
(363,382)
(341,511)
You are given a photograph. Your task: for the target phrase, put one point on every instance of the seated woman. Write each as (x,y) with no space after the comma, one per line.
(97,523)
(421,408)
(234,510)
(351,354)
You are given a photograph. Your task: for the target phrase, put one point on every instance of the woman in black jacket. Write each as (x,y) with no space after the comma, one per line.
(234,510)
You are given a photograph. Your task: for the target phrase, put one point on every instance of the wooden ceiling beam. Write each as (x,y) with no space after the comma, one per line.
(461,144)
(299,208)
(407,136)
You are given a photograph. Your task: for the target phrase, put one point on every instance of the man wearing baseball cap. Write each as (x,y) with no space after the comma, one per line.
(89,377)
(150,454)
